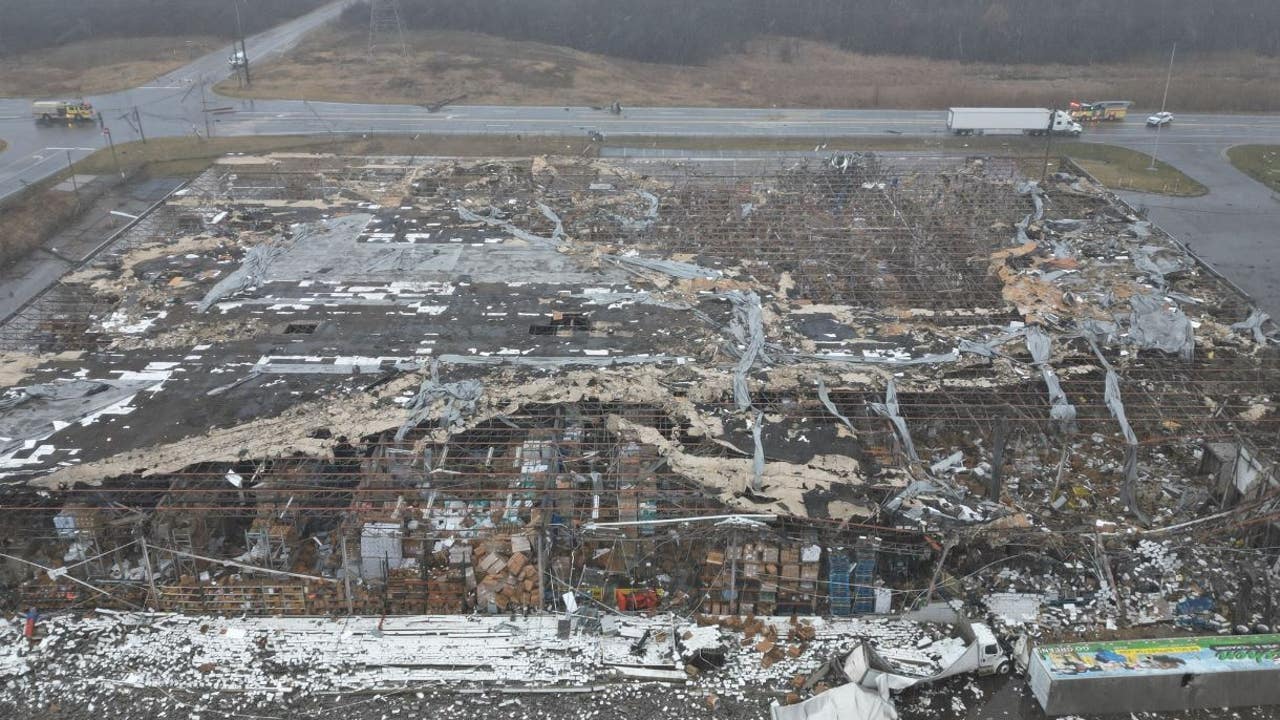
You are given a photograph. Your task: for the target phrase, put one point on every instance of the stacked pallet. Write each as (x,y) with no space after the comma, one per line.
(406,593)
(47,595)
(253,598)
(798,589)
(749,571)
(839,568)
(447,591)
(766,570)
(326,598)
(752,569)
(715,584)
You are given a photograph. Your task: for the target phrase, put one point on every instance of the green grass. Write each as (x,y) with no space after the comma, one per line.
(1260,162)
(1123,169)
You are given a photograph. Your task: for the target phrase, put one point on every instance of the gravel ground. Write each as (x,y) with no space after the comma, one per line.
(989,699)
(651,702)
(67,680)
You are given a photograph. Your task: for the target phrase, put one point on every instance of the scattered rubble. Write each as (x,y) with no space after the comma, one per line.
(565,423)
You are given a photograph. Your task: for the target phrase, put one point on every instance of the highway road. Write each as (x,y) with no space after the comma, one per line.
(172,105)
(1231,226)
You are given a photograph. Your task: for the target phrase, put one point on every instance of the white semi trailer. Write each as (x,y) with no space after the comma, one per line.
(1029,121)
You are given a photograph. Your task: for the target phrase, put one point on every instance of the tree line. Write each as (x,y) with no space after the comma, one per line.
(1004,31)
(27,25)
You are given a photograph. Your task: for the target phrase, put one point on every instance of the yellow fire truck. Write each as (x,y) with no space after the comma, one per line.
(62,112)
(1104,111)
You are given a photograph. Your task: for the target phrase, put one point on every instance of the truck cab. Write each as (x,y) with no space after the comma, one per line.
(992,659)
(1064,124)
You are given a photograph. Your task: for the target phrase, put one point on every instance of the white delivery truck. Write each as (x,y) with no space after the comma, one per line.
(975,650)
(1029,121)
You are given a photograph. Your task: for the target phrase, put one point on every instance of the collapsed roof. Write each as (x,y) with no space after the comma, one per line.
(913,340)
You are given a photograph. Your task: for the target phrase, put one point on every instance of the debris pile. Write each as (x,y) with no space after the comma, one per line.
(312,385)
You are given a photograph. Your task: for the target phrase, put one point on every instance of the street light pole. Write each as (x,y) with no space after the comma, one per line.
(1164,101)
(244,50)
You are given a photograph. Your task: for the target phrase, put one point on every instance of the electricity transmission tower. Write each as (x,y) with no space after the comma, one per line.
(386,29)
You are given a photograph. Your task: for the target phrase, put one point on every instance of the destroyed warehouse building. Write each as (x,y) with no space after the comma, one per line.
(758,396)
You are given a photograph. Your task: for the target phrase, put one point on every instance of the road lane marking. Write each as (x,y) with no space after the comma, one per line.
(575,121)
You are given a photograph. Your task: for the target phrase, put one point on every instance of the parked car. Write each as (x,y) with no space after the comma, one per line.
(1160,119)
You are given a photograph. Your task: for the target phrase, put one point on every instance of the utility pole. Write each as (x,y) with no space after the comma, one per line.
(384,19)
(1155,149)
(74,185)
(204,110)
(137,117)
(244,50)
(1048,144)
(115,160)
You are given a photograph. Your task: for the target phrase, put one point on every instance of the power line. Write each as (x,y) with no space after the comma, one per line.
(386,29)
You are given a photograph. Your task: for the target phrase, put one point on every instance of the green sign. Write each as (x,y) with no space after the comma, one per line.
(1194,655)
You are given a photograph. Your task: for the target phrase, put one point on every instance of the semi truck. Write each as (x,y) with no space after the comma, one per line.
(1028,121)
(68,112)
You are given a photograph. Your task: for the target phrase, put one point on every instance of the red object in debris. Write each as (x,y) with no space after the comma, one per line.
(29,629)
(630,600)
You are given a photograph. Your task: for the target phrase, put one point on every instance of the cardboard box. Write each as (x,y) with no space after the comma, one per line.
(493,564)
(520,544)
(790,574)
(519,560)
